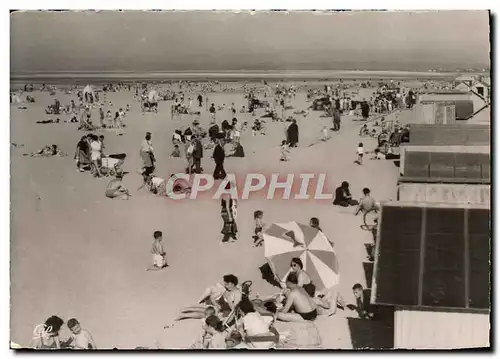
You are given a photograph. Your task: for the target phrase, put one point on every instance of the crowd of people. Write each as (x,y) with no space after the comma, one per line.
(231,319)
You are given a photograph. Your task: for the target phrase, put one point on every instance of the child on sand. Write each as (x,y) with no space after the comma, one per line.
(285,151)
(176,153)
(314,222)
(159,261)
(258,239)
(360,151)
(80,337)
(109,118)
(324,134)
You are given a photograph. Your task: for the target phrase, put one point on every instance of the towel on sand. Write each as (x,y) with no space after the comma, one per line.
(299,335)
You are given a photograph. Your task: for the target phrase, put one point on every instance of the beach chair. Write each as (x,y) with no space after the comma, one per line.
(112,164)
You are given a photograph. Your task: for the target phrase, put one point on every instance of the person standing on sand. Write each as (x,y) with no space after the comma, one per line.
(293,134)
(360,151)
(212,112)
(219,156)
(197,155)
(82,154)
(96,155)
(147,154)
(101,117)
(200,100)
(336,119)
(228,214)
(159,260)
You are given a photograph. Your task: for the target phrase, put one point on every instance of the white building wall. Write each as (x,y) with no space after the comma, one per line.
(440,330)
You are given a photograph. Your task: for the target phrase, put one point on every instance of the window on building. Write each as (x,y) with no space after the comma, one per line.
(480,90)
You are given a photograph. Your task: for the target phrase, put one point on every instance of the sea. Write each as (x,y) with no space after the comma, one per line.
(229,76)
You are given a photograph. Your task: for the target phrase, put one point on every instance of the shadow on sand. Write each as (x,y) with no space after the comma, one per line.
(268,276)
(377,333)
(368,267)
(371,334)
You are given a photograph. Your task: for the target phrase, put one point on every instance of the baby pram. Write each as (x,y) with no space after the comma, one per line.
(112,164)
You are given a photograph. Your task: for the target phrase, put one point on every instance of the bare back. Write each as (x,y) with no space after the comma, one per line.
(301,301)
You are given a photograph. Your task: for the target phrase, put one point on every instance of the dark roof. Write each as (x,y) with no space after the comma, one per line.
(448,166)
(459,134)
(463,109)
(481,109)
(439,256)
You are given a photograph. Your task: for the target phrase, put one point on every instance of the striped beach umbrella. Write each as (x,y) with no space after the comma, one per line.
(284,241)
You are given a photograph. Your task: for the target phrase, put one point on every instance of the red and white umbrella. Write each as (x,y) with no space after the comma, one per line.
(284,241)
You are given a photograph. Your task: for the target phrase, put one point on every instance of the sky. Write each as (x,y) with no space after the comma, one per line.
(211,41)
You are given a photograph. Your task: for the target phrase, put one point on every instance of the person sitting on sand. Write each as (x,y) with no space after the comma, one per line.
(235,341)
(215,328)
(195,313)
(343,196)
(297,267)
(211,298)
(80,337)
(57,120)
(367,203)
(47,151)
(363,131)
(377,155)
(206,335)
(48,336)
(363,306)
(176,152)
(237,150)
(256,325)
(157,185)
(299,300)
(116,189)
(325,299)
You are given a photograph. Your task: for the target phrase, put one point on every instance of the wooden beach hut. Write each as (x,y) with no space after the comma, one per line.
(434,269)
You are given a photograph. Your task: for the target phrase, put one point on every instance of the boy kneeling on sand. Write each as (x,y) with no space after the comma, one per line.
(159,260)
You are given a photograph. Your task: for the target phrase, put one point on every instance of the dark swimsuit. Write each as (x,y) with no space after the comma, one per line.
(309,316)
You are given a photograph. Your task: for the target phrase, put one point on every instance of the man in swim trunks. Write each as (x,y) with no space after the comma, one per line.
(297,298)
(116,189)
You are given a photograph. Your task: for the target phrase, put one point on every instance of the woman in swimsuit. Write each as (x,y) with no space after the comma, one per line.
(46,336)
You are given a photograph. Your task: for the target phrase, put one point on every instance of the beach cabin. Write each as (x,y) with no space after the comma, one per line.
(433,268)
(444,107)
(468,79)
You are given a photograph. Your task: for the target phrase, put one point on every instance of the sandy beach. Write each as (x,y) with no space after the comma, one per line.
(75,253)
